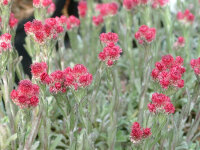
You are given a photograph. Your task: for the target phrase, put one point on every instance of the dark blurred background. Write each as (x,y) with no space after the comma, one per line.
(66,7)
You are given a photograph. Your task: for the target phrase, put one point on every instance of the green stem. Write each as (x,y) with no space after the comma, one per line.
(73,41)
(113,113)
(108,24)
(8,105)
(129,52)
(186,34)
(96,87)
(168,29)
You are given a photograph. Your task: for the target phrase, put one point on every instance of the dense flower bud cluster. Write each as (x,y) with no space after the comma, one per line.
(111,51)
(108,38)
(138,134)
(185,17)
(82,9)
(107,9)
(51,9)
(72,22)
(145,34)
(76,77)
(5,2)
(179,43)
(58,81)
(42,3)
(12,21)
(43,32)
(97,20)
(130,4)
(168,72)
(26,95)
(195,64)
(38,68)
(159,3)
(5,42)
(161,104)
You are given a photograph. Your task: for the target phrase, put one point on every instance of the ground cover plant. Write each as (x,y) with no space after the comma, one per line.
(129,78)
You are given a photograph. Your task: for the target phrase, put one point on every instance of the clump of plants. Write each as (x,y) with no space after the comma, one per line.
(129,78)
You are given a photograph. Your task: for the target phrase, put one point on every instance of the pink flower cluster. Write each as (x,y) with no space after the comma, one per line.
(42,3)
(161,104)
(195,64)
(5,42)
(51,9)
(138,134)
(108,38)
(97,20)
(186,17)
(145,34)
(130,4)
(72,22)
(12,21)
(180,42)
(107,9)
(168,72)
(111,51)
(43,32)
(4,2)
(82,9)
(38,68)
(59,81)
(159,3)
(26,95)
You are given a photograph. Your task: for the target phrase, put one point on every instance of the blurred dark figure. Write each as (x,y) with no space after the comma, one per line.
(66,7)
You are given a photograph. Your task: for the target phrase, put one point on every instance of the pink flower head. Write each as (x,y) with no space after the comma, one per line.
(12,21)
(108,9)
(185,17)
(85,79)
(44,78)
(72,22)
(51,9)
(5,42)
(44,32)
(161,104)
(109,37)
(62,19)
(145,34)
(46,3)
(5,2)
(169,71)
(73,78)
(146,132)
(82,9)
(179,43)
(130,4)
(97,20)
(42,3)
(38,68)
(26,95)
(79,69)
(36,3)
(138,134)
(110,54)
(195,65)
(57,82)
(159,3)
